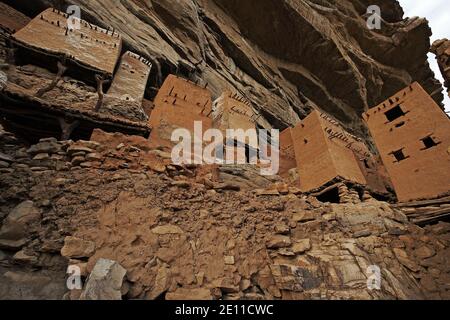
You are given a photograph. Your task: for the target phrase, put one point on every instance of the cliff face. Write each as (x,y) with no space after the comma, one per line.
(441,48)
(217,232)
(284,56)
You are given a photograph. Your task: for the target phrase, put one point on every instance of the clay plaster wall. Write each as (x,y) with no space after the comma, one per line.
(342,143)
(131,78)
(233,112)
(425,173)
(314,160)
(184,90)
(325,151)
(177,105)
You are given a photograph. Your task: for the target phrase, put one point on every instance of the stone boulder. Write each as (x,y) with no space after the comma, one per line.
(301,246)
(5,158)
(47,146)
(278,241)
(105,281)
(15,226)
(77,248)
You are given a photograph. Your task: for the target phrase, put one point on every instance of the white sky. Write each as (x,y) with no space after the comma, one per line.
(437,13)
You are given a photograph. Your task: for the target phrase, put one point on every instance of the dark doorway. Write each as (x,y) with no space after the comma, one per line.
(331,195)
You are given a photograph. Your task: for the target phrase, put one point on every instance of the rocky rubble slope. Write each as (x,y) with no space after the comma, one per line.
(170,232)
(285,56)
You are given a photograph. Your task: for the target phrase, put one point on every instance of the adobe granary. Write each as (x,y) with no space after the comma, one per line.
(412,135)
(232,111)
(327,155)
(51,41)
(441,48)
(178,104)
(125,96)
(131,78)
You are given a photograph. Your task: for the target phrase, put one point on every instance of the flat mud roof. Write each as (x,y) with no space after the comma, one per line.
(53,34)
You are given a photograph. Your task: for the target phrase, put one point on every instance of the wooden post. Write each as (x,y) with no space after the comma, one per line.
(61,70)
(100,81)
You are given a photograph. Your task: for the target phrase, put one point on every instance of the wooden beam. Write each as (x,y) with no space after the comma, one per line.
(100,81)
(321,192)
(423,203)
(438,215)
(61,69)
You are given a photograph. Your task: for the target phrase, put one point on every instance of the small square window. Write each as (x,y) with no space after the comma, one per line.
(394,113)
(429,142)
(399,155)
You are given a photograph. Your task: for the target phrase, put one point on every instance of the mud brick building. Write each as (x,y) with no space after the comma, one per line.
(178,104)
(126,94)
(131,78)
(326,153)
(412,135)
(232,111)
(89,48)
